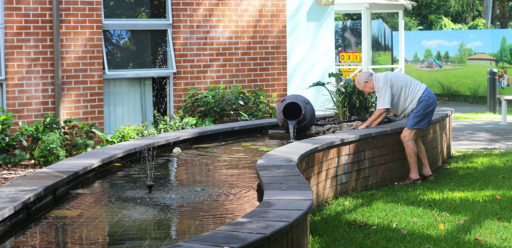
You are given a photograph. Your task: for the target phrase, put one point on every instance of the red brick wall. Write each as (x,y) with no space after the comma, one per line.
(371,162)
(29,59)
(229,42)
(216,42)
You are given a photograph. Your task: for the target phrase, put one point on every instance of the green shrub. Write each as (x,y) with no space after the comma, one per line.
(446,89)
(221,105)
(348,101)
(9,140)
(165,124)
(125,133)
(50,150)
(78,136)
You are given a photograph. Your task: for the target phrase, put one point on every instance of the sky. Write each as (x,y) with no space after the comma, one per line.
(482,41)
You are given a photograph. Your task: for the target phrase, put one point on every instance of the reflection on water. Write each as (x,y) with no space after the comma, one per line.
(201,189)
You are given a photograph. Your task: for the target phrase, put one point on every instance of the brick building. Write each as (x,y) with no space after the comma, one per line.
(120,59)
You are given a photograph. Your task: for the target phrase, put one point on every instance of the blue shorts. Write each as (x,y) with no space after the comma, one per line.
(422,114)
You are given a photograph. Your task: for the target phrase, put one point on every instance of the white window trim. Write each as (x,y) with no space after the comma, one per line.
(146,24)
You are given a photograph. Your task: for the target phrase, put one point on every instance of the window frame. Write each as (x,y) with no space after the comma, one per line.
(141,24)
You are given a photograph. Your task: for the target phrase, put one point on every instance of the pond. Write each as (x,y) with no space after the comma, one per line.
(198,190)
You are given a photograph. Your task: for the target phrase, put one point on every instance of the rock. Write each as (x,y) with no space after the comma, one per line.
(176,150)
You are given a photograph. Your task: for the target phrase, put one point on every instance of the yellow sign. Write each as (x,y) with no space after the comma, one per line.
(352,57)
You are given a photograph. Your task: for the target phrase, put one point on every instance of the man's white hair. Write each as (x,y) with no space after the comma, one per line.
(362,77)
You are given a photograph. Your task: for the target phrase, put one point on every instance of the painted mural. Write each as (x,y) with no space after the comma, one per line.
(456,62)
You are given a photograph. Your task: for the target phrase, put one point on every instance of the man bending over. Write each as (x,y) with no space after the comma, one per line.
(404,96)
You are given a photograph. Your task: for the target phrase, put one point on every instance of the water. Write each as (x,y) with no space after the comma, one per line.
(201,189)
(148,159)
(292,129)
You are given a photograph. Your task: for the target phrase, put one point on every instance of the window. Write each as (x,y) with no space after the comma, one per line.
(138,61)
(129,9)
(128,101)
(137,38)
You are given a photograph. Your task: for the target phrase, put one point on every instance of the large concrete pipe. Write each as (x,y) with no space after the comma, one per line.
(296,108)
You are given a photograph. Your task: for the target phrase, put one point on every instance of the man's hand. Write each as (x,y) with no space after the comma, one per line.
(375,119)
(363,126)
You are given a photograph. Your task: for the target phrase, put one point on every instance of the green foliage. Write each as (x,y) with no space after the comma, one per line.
(474,92)
(445,89)
(165,124)
(427,54)
(346,98)
(75,137)
(9,152)
(50,149)
(438,56)
(78,136)
(125,133)
(503,55)
(220,104)
(443,23)
(463,53)
(446,56)
(416,58)
(479,23)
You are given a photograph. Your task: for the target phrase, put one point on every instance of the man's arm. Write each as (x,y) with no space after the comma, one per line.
(375,119)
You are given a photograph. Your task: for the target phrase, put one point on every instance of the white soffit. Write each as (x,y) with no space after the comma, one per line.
(376,6)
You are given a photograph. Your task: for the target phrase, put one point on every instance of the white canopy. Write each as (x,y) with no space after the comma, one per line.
(366,8)
(377,6)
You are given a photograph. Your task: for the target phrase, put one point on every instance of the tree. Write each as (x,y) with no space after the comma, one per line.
(504,8)
(503,54)
(510,54)
(463,11)
(438,56)
(446,57)
(416,58)
(427,54)
(461,54)
(424,9)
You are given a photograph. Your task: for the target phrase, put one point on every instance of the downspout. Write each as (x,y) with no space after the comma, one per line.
(57,57)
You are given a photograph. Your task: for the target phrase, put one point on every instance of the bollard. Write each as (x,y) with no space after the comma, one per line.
(492,90)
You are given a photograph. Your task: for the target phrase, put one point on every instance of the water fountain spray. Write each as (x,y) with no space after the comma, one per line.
(149,155)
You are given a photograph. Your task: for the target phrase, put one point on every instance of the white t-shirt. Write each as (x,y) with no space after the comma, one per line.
(398,92)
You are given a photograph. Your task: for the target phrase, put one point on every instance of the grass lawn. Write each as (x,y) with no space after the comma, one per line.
(467,205)
(482,115)
(466,80)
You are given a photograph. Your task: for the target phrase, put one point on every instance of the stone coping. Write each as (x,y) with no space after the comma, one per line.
(287,200)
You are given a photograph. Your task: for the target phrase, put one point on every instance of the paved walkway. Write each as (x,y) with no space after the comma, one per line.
(478,134)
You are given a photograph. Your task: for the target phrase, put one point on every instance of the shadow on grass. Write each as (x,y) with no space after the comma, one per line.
(467,205)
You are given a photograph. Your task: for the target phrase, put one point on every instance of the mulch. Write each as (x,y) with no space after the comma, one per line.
(9,174)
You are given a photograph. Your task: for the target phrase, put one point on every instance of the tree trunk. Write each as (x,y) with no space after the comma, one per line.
(487,12)
(503,8)
(494,18)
